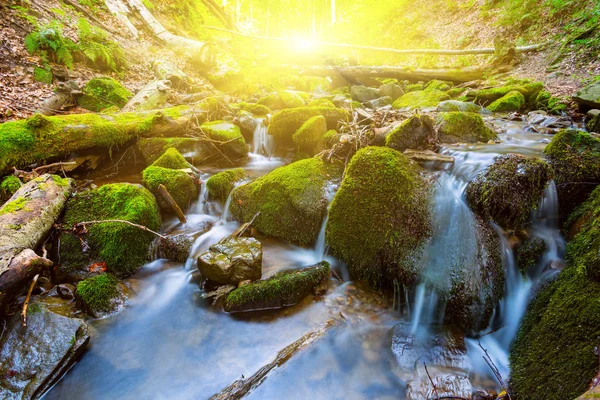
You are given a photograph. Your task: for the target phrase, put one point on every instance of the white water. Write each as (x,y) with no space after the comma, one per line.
(262,142)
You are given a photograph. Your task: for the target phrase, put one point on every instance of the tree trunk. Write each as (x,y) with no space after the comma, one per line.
(151,97)
(46,139)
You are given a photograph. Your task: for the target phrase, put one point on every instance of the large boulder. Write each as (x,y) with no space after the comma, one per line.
(509,190)
(232,143)
(285,122)
(363,93)
(291,200)
(285,288)
(575,157)
(380,217)
(463,127)
(554,356)
(307,137)
(415,133)
(36,356)
(222,183)
(421,99)
(122,248)
(589,96)
(232,260)
(510,102)
(104,92)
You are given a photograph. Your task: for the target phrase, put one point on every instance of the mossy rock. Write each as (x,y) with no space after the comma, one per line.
(463,127)
(439,85)
(583,250)
(421,99)
(285,288)
(291,200)
(511,102)
(529,252)
(221,184)
(509,190)
(380,217)
(593,122)
(227,133)
(171,159)
(122,247)
(195,150)
(321,103)
(415,87)
(307,137)
(545,101)
(330,138)
(285,123)
(589,96)
(102,93)
(100,294)
(282,100)
(455,105)
(554,356)
(362,93)
(456,92)
(256,109)
(415,133)
(8,186)
(575,157)
(180,185)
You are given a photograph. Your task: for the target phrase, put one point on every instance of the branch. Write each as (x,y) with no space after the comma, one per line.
(142,227)
(435,391)
(495,371)
(26,304)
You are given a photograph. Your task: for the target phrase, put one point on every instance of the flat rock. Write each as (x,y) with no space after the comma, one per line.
(589,96)
(428,155)
(232,260)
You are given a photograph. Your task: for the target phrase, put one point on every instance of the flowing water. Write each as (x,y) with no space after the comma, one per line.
(170,342)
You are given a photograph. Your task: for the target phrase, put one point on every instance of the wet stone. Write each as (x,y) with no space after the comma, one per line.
(232,260)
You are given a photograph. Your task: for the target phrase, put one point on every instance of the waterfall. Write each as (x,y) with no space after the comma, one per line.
(320,246)
(262,142)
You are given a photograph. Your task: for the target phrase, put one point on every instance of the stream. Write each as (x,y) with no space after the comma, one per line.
(169,342)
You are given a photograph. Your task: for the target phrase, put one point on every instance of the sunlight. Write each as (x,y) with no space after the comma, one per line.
(305,45)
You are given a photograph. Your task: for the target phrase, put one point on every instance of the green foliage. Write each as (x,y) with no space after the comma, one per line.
(98,48)
(221,184)
(97,293)
(8,186)
(48,42)
(43,75)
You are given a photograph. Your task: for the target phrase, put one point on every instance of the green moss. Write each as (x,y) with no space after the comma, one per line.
(512,101)
(509,190)
(153,148)
(285,122)
(545,101)
(104,92)
(421,99)
(171,159)
(307,137)
(256,109)
(221,184)
(271,101)
(327,141)
(416,87)
(593,124)
(97,293)
(18,204)
(321,103)
(124,248)
(180,185)
(417,132)
(380,217)
(292,99)
(554,356)
(285,288)
(529,252)
(439,85)
(291,200)
(40,138)
(230,135)
(8,187)
(64,182)
(528,89)
(456,92)
(458,126)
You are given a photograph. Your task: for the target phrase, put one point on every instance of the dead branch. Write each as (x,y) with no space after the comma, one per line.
(495,371)
(26,304)
(242,387)
(240,232)
(164,193)
(142,227)
(437,395)
(54,165)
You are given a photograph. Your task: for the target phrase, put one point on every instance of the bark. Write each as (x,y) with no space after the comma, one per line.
(151,97)
(48,139)
(164,193)
(241,388)
(22,268)
(458,75)
(164,70)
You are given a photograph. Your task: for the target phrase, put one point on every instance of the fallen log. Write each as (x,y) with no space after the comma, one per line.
(242,387)
(40,139)
(25,220)
(458,75)
(151,97)
(165,70)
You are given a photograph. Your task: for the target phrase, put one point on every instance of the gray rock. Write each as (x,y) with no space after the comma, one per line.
(232,260)
(378,103)
(392,90)
(589,96)
(176,248)
(455,105)
(363,93)
(36,356)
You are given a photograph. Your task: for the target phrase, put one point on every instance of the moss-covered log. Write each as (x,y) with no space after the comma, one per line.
(41,139)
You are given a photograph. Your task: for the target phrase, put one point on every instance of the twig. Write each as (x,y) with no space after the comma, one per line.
(26,304)
(437,395)
(57,164)
(495,371)
(142,227)
(247,225)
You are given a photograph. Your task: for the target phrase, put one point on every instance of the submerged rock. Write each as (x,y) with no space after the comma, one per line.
(232,260)
(421,99)
(528,252)
(415,133)
(463,127)
(35,357)
(285,288)
(101,295)
(177,248)
(291,200)
(509,190)
(380,217)
(575,157)
(123,248)
(221,184)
